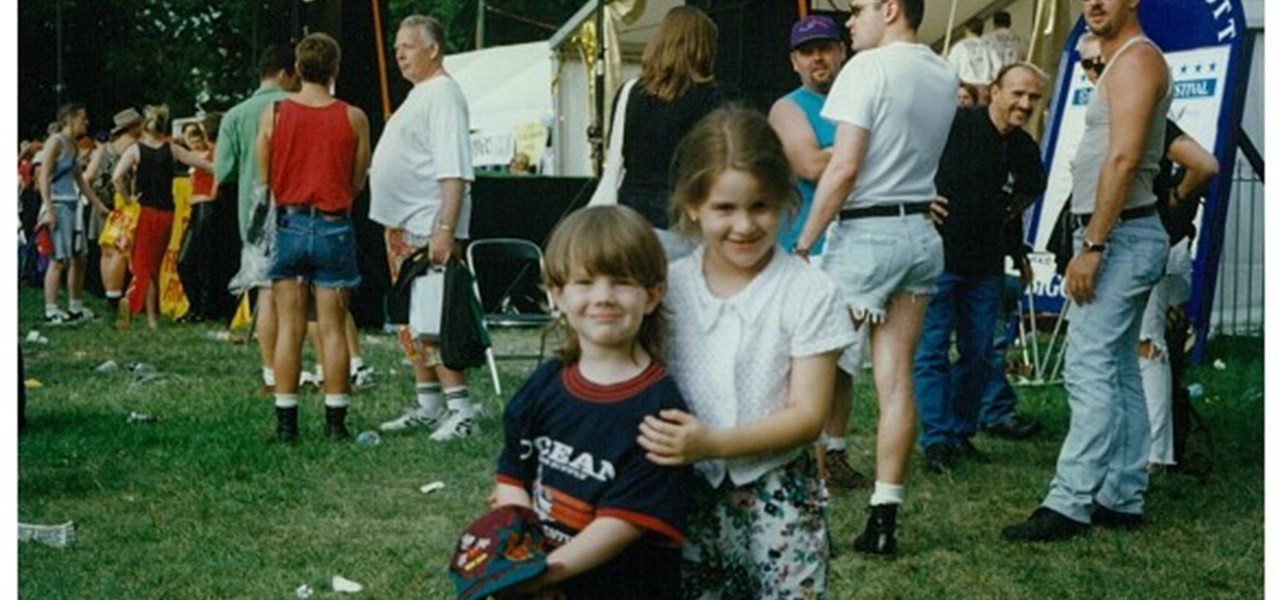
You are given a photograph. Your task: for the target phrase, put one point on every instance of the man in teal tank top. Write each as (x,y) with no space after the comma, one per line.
(817,53)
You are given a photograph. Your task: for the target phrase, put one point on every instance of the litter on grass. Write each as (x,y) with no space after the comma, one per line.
(57,536)
(34,337)
(137,417)
(32,384)
(432,487)
(219,335)
(110,366)
(304,591)
(342,585)
(1219,365)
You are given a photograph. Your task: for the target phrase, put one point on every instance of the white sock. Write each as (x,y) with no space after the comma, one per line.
(50,310)
(114,294)
(357,363)
(430,398)
(268,376)
(459,399)
(886,493)
(76,305)
(286,400)
(835,444)
(337,400)
(319,372)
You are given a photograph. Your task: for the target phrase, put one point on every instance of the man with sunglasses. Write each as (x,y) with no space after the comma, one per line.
(1121,251)
(892,109)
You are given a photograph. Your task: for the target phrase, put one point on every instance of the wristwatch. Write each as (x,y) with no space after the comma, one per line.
(1088,246)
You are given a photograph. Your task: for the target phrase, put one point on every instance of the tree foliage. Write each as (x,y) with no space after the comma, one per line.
(199,55)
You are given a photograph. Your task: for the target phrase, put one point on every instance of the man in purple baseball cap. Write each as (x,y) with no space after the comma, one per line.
(817,53)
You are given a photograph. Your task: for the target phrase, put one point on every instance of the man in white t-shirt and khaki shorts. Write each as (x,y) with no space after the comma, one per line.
(418,186)
(892,109)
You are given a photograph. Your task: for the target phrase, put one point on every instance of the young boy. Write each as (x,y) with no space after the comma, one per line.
(614,520)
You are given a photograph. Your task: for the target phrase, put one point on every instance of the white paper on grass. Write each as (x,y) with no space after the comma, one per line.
(342,585)
(426,300)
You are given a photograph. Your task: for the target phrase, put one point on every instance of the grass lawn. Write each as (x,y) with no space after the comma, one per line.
(198,505)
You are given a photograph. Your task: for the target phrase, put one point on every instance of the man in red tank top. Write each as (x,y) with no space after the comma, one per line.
(313,152)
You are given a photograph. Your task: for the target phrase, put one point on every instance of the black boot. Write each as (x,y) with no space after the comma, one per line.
(286,425)
(335,423)
(878,538)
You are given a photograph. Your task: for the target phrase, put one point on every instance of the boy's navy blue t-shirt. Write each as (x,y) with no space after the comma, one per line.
(572,445)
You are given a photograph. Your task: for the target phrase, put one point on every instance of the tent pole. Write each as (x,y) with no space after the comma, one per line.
(600,91)
(951,26)
(1035,32)
(382,60)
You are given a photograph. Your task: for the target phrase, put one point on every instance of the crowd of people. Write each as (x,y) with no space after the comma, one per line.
(686,438)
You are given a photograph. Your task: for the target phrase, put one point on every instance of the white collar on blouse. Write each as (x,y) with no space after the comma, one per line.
(750,301)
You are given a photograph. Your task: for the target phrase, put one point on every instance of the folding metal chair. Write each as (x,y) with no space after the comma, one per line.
(508,279)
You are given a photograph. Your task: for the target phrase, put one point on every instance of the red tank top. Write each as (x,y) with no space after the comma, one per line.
(313,150)
(201,180)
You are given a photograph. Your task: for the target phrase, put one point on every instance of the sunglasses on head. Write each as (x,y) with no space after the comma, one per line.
(1094,64)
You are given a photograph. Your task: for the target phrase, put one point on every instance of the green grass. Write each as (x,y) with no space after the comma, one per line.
(198,505)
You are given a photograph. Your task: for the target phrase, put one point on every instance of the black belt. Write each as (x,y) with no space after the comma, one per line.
(311,211)
(1082,220)
(888,210)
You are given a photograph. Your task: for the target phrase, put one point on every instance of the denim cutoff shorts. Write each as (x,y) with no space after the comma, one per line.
(873,258)
(316,248)
(67,237)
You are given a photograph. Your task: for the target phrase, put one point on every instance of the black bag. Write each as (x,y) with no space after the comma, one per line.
(463,336)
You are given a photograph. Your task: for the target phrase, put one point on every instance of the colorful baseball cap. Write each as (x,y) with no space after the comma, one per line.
(499,550)
(814,27)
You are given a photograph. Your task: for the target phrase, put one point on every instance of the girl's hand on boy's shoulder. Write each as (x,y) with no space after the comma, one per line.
(675,438)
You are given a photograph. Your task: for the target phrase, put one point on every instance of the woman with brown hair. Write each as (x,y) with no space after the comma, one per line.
(151,163)
(675,90)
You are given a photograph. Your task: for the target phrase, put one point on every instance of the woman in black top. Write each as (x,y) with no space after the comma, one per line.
(675,90)
(151,163)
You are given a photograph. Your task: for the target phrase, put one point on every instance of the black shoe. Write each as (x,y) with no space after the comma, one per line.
(878,538)
(1114,519)
(939,458)
(335,423)
(1044,525)
(1016,427)
(841,474)
(965,450)
(286,425)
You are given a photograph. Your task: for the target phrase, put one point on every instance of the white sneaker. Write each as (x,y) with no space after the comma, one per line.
(82,316)
(457,424)
(309,378)
(362,378)
(415,417)
(57,318)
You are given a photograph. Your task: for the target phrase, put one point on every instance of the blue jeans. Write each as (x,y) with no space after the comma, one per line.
(316,248)
(998,399)
(947,395)
(1104,457)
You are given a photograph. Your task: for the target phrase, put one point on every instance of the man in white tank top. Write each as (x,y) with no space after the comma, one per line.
(1121,249)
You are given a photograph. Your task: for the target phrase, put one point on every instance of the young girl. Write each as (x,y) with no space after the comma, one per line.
(615,519)
(755,337)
